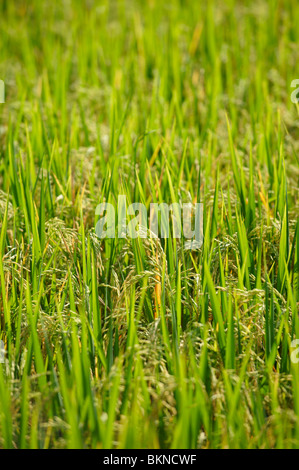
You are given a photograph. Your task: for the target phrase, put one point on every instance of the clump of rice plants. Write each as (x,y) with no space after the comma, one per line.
(139,342)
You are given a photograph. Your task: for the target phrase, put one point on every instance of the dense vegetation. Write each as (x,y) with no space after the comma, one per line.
(135,343)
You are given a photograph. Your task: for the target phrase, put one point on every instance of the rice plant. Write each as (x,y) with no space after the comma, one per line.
(125,343)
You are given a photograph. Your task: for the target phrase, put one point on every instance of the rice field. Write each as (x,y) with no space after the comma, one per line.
(126,343)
